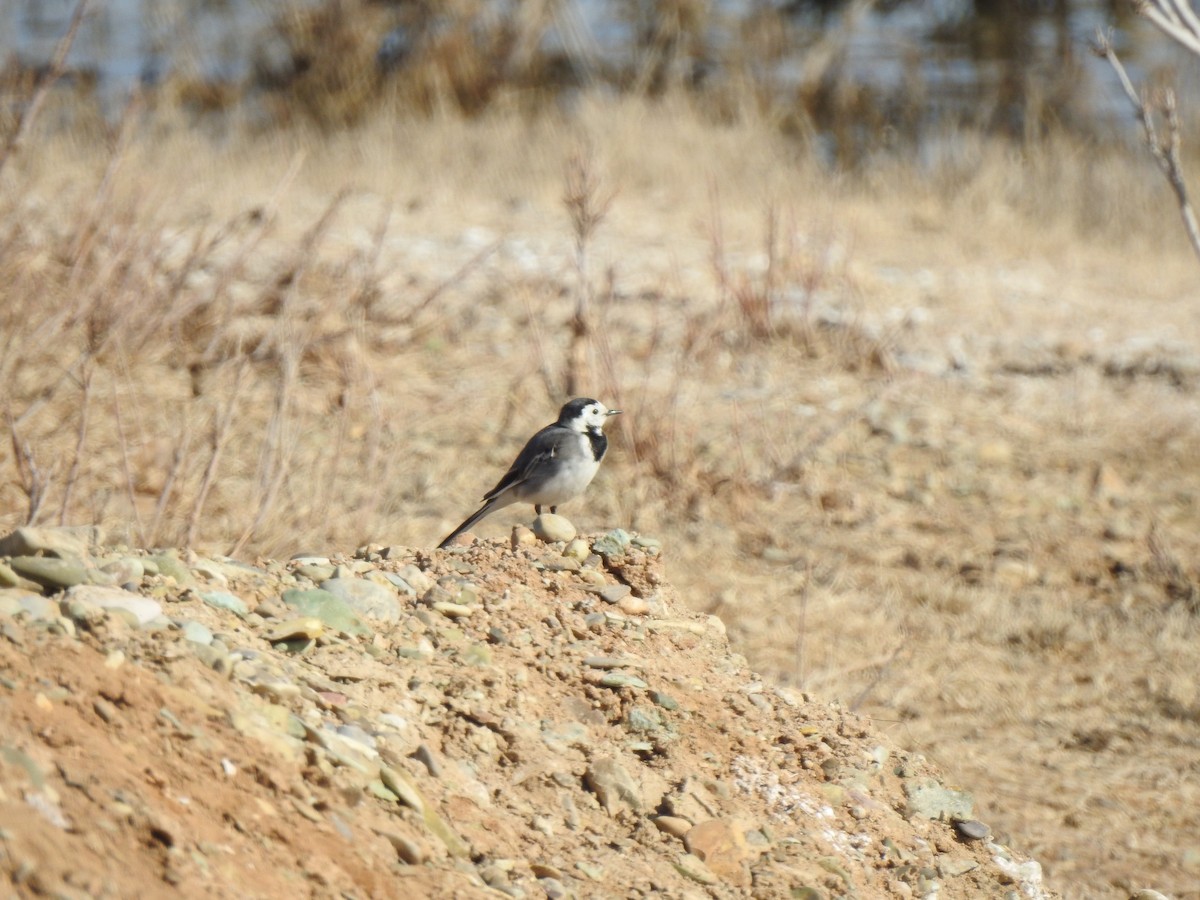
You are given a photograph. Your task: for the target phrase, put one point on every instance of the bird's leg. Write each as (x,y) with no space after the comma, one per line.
(537,508)
(553,510)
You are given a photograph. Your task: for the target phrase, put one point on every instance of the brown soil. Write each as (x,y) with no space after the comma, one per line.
(130,767)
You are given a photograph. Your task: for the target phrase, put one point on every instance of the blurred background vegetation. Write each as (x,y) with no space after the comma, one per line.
(850,78)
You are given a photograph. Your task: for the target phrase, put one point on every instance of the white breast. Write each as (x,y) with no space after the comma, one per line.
(573,473)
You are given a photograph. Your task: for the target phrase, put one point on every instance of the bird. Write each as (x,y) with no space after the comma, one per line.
(555,465)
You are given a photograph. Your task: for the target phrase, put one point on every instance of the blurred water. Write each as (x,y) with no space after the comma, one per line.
(127,41)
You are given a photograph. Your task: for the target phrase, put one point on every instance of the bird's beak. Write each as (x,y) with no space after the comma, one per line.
(613,412)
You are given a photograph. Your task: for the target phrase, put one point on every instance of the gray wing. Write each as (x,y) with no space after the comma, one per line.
(542,447)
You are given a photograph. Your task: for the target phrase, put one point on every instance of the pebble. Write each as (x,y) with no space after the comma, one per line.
(128,570)
(614,593)
(65,542)
(105,710)
(224,600)
(140,610)
(35,606)
(609,662)
(50,572)
(477,655)
(971,830)
(279,691)
(415,578)
(719,845)
(304,627)
(612,544)
(329,609)
(196,633)
(565,735)
(453,610)
(522,537)
(595,873)
(8,578)
(666,701)
(634,606)
(694,868)
(397,582)
(210,570)
(552,528)
(425,756)
(357,734)
(377,788)
(613,786)
(930,800)
(215,658)
(402,788)
(410,850)
(577,549)
(167,564)
(369,599)
(640,718)
(619,679)
(952,868)
(315,572)
(672,825)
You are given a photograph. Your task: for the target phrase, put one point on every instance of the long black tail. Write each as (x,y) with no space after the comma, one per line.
(487,509)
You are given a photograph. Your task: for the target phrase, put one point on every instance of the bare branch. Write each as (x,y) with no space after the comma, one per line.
(80,442)
(53,73)
(34,481)
(1166,155)
(222,430)
(1175,19)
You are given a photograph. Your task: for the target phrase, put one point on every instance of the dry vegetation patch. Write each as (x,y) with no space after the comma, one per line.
(924,439)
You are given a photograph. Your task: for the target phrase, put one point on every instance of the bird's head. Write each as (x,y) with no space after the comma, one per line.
(585,414)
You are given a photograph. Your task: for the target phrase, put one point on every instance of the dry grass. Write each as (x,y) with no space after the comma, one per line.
(866,415)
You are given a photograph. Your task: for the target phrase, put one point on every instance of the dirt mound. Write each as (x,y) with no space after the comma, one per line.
(537,721)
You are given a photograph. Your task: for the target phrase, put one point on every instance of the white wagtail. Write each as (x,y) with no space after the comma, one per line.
(557,463)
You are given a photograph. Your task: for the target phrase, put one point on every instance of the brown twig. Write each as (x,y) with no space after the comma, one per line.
(587,203)
(882,674)
(34,481)
(53,73)
(220,437)
(445,284)
(178,457)
(276,455)
(1165,152)
(263,218)
(90,226)
(80,441)
(802,624)
(127,467)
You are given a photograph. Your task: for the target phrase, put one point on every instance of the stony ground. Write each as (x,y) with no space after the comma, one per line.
(533,720)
